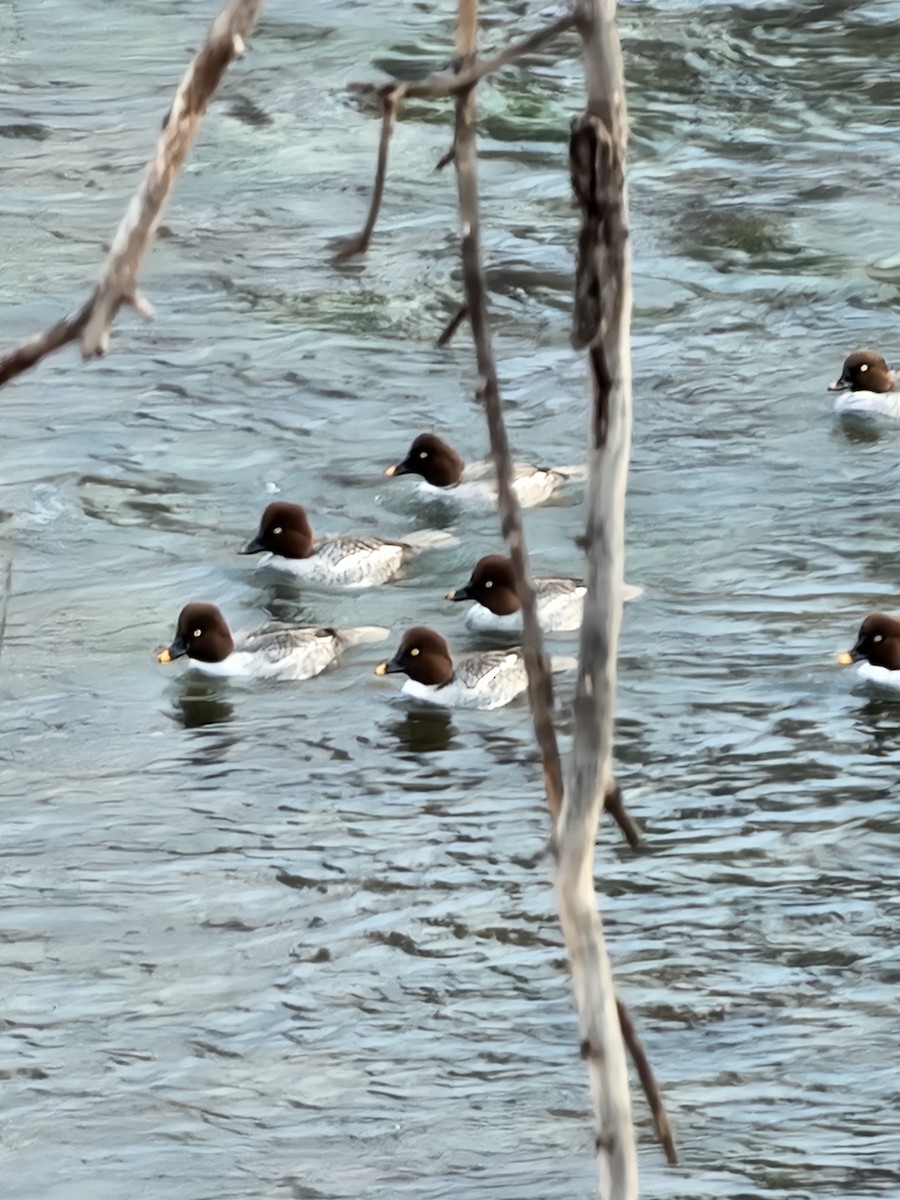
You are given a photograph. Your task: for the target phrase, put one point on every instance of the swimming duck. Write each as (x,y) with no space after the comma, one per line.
(444,474)
(273,652)
(485,680)
(348,560)
(870,387)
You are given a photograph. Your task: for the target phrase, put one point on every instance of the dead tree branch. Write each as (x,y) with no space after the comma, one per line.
(360,243)
(468,74)
(540,685)
(5,592)
(92,323)
(648,1083)
(602,323)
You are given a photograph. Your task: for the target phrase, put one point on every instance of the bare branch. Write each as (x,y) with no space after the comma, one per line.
(615,806)
(5,592)
(452,325)
(540,686)
(602,323)
(390,100)
(118,281)
(436,86)
(460,84)
(648,1083)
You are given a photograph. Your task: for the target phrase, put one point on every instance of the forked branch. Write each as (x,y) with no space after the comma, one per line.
(434,87)
(92,323)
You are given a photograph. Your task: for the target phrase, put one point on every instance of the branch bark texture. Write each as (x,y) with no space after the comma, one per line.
(602,325)
(92,323)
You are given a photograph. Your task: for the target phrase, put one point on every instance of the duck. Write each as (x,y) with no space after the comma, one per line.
(272,652)
(877,651)
(348,560)
(870,386)
(445,475)
(485,680)
(492,585)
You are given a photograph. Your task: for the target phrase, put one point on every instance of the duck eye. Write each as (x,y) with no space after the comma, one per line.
(423,454)
(878,637)
(488,583)
(863,367)
(197,633)
(277,529)
(414,651)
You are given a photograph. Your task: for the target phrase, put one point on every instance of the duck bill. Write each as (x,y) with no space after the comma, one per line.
(176,650)
(462,593)
(254,546)
(389,667)
(398,469)
(848,657)
(840,385)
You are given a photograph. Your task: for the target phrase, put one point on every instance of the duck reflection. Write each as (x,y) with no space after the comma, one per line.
(201,702)
(282,601)
(422,730)
(877,718)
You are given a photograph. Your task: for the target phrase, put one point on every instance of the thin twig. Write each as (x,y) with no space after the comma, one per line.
(4,600)
(446,159)
(452,325)
(436,86)
(615,806)
(360,243)
(92,323)
(648,1084)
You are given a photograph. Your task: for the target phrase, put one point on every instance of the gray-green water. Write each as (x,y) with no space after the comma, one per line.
(286,941)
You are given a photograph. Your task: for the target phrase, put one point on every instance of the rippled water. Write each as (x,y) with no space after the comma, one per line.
(288,940)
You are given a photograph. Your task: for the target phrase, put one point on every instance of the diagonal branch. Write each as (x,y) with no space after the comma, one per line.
(92,323)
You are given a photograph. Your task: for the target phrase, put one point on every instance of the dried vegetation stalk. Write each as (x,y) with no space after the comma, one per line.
(92,323)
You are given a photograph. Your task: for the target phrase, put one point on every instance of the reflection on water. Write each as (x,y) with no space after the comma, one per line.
(200,702)
(248,926)
(421,729)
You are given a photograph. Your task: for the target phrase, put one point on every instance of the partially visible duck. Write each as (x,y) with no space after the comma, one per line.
(341,559)
(559,602)
(273,652)
(877,650)
(444,474)
(869,385)
(485,680)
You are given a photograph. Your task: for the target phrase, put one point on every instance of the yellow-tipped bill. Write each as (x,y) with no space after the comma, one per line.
(845,658)
(381,669)
(391,471)
(164,656)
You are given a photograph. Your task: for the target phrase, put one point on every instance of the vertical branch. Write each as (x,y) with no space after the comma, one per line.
(540,687)
(602,325)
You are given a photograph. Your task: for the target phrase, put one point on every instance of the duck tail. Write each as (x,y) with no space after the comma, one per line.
(430,539)
(362,635)
(575,472)
(563,662)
